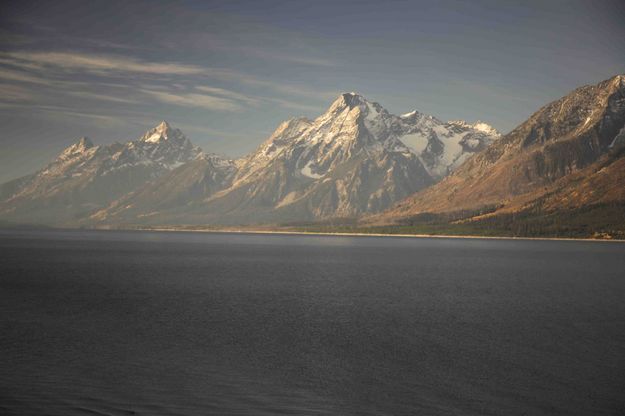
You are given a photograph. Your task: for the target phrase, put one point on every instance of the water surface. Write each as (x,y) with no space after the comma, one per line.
(156,323)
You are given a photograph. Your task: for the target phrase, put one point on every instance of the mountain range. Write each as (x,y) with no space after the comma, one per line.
(561,171)
(355,163)
(354,159)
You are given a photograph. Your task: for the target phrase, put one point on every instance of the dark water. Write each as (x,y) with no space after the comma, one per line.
(120,323)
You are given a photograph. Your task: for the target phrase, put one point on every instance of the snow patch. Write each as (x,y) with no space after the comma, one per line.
(288,199)
(154,138)
(415,141)
(306,171)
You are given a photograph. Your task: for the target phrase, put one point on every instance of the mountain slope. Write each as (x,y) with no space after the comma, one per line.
(544,155)
(85,177)
(193,181)
(355,158)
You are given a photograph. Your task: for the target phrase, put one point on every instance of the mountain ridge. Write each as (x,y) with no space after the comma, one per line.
(84,177)
(348,161)
(576,132)
(354,161)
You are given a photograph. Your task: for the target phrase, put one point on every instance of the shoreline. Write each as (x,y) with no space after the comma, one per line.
(318,233)
(339,234)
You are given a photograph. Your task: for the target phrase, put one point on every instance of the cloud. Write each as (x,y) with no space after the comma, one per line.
(14,93)
(293,105)
(259,99)
(20,76)
(290,89)
(228,94)
(101,97)
(65,113)
(209,102)
(100,64)
(287,57)
(190,89)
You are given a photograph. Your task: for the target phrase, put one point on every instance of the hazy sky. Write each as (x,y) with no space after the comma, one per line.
(227,72)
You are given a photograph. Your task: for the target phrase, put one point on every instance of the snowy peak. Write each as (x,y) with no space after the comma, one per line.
(162,132)
(352,124)
(84,143)
(414,114)
(618,81)
(163,126)
(485,128)
(78,148)
(479,126)
(349,101)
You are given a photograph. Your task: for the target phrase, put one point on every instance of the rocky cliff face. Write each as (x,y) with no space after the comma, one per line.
(560,139)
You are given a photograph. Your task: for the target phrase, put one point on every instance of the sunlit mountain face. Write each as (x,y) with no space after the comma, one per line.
(354,159)
(227,73)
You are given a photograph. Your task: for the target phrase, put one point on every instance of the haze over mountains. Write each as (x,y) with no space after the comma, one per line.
(354,161)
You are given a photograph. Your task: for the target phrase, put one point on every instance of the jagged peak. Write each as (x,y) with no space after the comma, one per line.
(411,114)
(163,131)
(163,126)
(478,125)
(83,144)
(617,82)
(485,128)
(348,100)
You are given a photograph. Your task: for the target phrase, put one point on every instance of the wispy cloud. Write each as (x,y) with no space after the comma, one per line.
(292,105)
(290,89)
(258,100)
(196,100)
(100,64)
(65,113)
(21,76)
(137,85)
(288,57)
(228,94)
(102,97)
(14,93)
(104,65)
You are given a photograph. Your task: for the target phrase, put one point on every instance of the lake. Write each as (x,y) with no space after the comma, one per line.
(173,323)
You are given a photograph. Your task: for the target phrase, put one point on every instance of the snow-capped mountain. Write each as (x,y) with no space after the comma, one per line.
(85,177)
(165,145)
(355,158)
(440,146)
(568,155)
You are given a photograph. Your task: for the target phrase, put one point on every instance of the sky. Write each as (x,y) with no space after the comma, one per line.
(228,72)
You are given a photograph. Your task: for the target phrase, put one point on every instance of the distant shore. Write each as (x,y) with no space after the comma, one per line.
(356,234)
(237,230)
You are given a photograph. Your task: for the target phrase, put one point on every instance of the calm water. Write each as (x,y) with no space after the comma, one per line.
(120,323)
